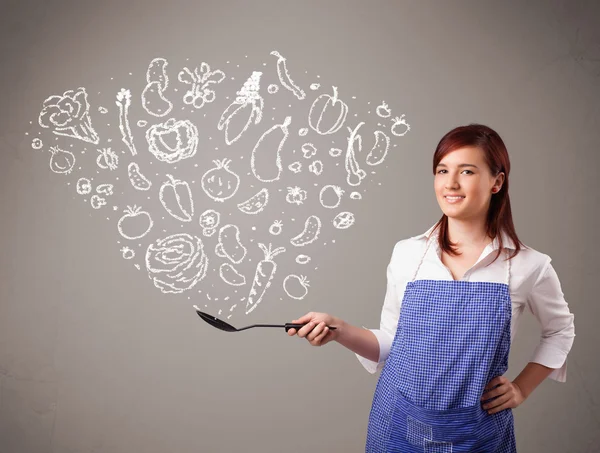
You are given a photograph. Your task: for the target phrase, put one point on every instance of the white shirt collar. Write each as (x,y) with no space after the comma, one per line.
(506,240)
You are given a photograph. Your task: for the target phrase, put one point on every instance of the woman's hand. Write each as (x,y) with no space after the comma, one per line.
(316,331)
(508,395)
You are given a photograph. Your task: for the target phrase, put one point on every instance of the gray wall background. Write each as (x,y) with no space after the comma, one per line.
(93,358)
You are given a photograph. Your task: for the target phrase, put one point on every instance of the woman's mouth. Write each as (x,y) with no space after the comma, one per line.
(454,199)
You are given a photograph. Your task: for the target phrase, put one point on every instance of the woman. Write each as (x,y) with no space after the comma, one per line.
(454,296)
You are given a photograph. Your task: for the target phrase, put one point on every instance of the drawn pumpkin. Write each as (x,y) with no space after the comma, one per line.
(327,114)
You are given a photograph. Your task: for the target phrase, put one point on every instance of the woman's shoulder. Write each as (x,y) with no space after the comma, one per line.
(530,261)
(409,249)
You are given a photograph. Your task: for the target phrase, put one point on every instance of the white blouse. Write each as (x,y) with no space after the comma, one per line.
(533,284)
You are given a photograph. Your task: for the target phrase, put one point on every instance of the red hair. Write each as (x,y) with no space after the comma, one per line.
(499,217)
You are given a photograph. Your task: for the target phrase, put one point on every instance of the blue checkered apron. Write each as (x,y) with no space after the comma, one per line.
(452,338)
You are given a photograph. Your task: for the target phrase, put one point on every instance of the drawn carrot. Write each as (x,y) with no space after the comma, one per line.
(265,271)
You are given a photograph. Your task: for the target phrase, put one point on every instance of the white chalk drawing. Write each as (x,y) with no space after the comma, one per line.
(97,201)
(136,178)
(220,183)
(209,221)
(355,173)
(135,224)
(272,89)
(284,76)
(268,168)
(231,276)
(295,167)
(399,122)
(176,263)
(124,102)
(335,191)
(315,86)
(303,131)
(316,167)
(356,196)
(36,143)
(142,123)
(343,220)
(83,186)
(105,189)
(137,266)
(303,259)
(103,110)
(69,115)
(308,150)
(107,159)
(295,286)
(335,152)
(229,245)
(172,140)
(255,203)
(127,253)
(319,117)
(176,197)
(265,271)
(276,228)
(379,150)
(296,195)
(248,98)
(383,111)
(61,161)
(153,99)
(310,233)
(200,93)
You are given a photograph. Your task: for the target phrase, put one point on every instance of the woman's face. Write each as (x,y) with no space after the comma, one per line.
(463,184)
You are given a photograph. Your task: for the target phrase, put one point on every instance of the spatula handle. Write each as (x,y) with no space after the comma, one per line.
(289,325)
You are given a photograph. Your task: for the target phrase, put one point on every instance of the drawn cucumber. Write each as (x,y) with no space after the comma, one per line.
(312,228)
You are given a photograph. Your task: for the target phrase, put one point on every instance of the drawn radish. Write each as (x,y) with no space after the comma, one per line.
(264,149)
(220,183)
(312,228)
(135,223)
(276,227)
(296,287)
(265,271)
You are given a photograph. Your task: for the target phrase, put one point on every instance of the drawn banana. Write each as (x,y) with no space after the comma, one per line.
(284,76)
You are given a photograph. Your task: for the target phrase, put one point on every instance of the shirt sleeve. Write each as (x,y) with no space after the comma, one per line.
(547,303)
(389,321)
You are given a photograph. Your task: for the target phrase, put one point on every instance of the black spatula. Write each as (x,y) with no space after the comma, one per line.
(222,325)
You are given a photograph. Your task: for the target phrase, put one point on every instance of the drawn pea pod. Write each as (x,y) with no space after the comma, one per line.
(176,198)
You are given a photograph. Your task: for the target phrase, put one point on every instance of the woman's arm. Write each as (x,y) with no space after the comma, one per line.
(532,375)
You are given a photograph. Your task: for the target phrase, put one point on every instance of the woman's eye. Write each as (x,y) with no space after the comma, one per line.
(439,171)
(470,172)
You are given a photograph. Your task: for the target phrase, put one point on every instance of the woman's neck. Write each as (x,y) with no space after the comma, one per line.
(468,233)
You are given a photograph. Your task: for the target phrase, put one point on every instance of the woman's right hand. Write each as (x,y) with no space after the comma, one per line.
(316,331)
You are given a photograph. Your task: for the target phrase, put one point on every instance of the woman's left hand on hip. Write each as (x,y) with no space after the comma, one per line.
(507,395)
